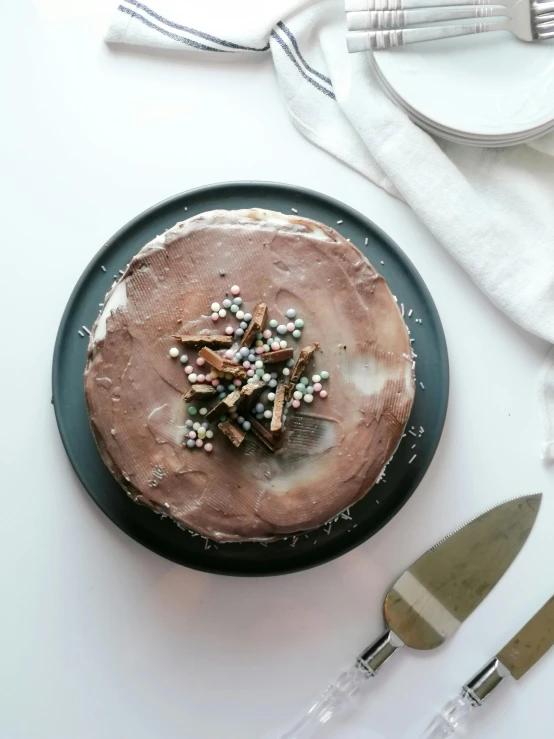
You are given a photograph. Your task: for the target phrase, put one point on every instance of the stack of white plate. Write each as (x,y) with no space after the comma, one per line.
(486,90)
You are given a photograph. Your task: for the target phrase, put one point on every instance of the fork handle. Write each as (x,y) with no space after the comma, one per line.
(378,40)
(360,5)
(368,20)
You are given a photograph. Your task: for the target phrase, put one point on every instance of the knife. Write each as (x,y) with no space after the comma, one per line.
(517,657)
(433,597)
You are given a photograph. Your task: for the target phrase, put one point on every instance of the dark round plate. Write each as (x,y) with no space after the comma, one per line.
(349,529)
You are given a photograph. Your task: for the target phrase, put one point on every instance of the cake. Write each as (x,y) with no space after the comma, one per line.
(246,477)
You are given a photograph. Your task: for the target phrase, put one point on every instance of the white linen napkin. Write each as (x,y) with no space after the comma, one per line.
(492,209)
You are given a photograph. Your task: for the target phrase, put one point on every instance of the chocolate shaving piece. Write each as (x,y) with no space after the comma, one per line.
(248,392)
(232,432)
(281,355)
(278,409)
(196,340)
(224,406)
(256,325)
(304,358)
(221,363)
(266,437)
(199,391)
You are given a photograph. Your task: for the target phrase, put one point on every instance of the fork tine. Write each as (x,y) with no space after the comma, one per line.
(542,8)
(542,19)
(543,36)
(545,26)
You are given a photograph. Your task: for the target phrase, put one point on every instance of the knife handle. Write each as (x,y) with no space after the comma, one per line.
(342,694)
(472,696)
(451,716)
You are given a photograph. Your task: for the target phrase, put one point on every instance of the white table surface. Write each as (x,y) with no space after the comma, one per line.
(100,637)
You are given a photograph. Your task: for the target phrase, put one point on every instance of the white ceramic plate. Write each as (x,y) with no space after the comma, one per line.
(489,85)
(456,137)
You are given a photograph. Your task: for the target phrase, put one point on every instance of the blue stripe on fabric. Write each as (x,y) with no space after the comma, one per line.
(193,31)
(173,36)
(290,55)
(294,42)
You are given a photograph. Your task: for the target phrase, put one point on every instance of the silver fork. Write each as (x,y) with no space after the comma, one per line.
(373,20)
(361,5)
(526,23)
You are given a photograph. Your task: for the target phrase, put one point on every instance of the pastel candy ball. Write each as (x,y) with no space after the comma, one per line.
(290,327)
(324,375)
(260,372)
(323,394)
(259,408)
(235,290)
(229,330)
(237,382)
(174,352)
(275,346)
(283,344)
(273,323)
(215,316)
(296,403)
(266,377)
(200,361)
(237,301)
(259,349)
(227,303)
(193,377)
(247,425)
(291,313)
(286,371)
(192,411)
(317,387)
(199,442)
(316,378)
(201,378)
(248,317)
(305,381)
(208,447)
(243,325)
(215,307)
(215,382)
(222,313)
(246,364)
(195,426)
(209,434)
(189,424)
(299,323)
(308,398)
(259,364)
(229,354)
(184,359)
(250,373)
(190,443)
(239,332)
(281,329)
(298,395)
(271,397)
(188,369)
(234,309)
(245,351)
(297,333)
(267,334)
(240,315)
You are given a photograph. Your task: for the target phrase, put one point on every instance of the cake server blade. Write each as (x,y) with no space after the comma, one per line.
(430,601)
(516,658)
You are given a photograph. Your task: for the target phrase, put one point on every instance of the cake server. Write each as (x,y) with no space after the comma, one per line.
(517,657)
(429,602)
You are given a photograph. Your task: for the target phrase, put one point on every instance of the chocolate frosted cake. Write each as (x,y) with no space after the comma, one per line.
(249,376)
